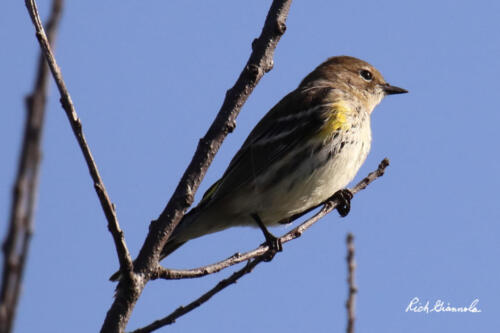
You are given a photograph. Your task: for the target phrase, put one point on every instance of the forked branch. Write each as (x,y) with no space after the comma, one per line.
(260,62)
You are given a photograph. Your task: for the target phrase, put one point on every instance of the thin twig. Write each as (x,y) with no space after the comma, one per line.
(24,192)
(328,206)
(254,258)
(260,62)
(67,104)
(351,299)
(182,310)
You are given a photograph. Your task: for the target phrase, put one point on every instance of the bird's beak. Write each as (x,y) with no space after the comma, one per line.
(392,90)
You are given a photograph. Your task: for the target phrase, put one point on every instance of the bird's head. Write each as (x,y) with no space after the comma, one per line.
(355,78)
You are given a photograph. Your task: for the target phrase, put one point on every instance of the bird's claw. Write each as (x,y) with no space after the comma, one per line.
(274,245)
(344,197)
(273,242)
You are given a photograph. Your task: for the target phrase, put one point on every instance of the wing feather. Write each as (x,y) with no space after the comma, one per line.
(295,119)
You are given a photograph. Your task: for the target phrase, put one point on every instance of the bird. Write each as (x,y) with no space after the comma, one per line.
(307,148)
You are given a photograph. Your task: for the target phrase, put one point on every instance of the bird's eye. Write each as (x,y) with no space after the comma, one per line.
(366,75)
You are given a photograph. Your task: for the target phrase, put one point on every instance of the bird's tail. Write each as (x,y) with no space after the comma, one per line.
(172,244)
(170,247)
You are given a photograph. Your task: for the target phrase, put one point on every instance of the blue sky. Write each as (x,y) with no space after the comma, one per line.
(147,79)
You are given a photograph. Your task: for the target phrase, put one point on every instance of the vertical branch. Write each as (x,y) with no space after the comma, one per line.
(24,191)
(351,299)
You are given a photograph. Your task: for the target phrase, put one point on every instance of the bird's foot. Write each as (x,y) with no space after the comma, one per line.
(344,197)
(272,241)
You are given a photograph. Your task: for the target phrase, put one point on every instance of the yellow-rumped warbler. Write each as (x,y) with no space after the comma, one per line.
(305,149)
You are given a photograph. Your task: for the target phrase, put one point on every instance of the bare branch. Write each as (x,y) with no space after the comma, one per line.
(24,192)
(67,104)
(182,310)
(351,266)
(176,274)
(259,255)
(260,62)
(371,176)
(328,206)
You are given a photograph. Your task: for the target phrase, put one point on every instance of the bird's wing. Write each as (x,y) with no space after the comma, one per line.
(295,119)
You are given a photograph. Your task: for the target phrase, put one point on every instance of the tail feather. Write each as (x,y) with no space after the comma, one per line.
(172,244)
(116,276)
(170,247)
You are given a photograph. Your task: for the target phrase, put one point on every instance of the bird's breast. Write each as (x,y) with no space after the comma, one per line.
(330,164)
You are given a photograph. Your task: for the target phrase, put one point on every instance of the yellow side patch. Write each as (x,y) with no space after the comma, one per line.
(337,119)
(211,190)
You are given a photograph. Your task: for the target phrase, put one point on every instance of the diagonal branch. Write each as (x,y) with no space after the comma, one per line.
(24,192)
(260,62)
(328,206)
(257,256)
(76,125)
(182,310)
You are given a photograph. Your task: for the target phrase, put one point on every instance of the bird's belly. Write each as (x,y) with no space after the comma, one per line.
(313,181)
